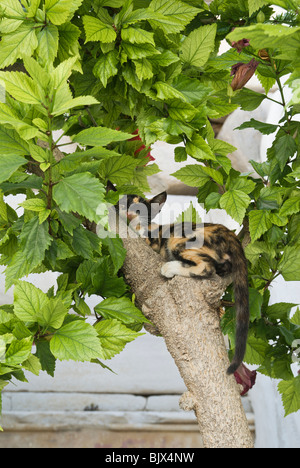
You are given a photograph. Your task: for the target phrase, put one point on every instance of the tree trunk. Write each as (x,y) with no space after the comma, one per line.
(185,312)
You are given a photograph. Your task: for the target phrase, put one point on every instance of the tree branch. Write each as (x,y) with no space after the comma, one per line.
(185,312)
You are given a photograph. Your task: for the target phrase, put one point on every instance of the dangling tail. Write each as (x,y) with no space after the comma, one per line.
(241,293)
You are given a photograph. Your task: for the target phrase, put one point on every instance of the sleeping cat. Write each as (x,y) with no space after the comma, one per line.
(195,250)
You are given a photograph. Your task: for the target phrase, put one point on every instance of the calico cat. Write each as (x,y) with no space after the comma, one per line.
(195,250)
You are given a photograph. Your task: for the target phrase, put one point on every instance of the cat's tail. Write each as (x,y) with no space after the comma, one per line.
(241,293)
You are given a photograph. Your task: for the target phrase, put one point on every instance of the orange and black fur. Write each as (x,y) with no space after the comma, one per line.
(202,251)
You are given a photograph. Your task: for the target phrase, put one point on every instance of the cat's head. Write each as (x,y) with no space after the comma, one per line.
(141,210)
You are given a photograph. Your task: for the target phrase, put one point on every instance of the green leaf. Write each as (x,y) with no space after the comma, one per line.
(255,304)
(28,301)
(266,35)
(100,136)
(34,204)
(106,284)
(19,43)
(96,30)
(35,240)
(77,341)
(9,164)
(285,147)
(45,356)
(264,128)
(17,268)
(171,15)
(48,39)
(32,364)
(137,50)
(57,11)
(118,169)
(179,110)
(52,314)
(290,206)
(259,223)
(114,336)
(143,69)
(190,215)
(12,8)
(20,86)
(8,116)
(289,265)
(116,250)
(137,36)
(192,175)
(248,100)
(121,309)
(255,351)
(106,67)
(290,394)
(80,193)
(199,149)
(198,46)
(235,202)
(61,108)
(18,352)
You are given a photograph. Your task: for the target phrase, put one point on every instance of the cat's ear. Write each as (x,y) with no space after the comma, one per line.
(157,203)
(110,186)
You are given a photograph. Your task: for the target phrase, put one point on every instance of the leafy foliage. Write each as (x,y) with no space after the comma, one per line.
(99,70)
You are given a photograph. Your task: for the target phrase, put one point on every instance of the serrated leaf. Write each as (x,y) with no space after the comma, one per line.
(45,356)
(96,30)
(121,309)
(235,202)
(57,11)
(114,336)
(18,352)
(118,169)
(199,149)
(255,351)
(8,116)
(198,46)
(263,127)
(289,265)
(179,110)
(290,394)
(35,240)
(100,136)
(19,43)
(9,164)
(259,223)
(17,268)
(116,250)
(48,39)
(192,175)
(136,51)
(137,36)
(12,8)
(28,301)
(34,204)
(171,15)
(20,86)
(77,341)
(61,108)
(52,313)
(79,193)
(106,67)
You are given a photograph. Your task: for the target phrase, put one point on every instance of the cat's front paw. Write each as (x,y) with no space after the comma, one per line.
(171,269)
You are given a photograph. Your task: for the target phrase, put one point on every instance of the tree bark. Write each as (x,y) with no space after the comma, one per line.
(185,312)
